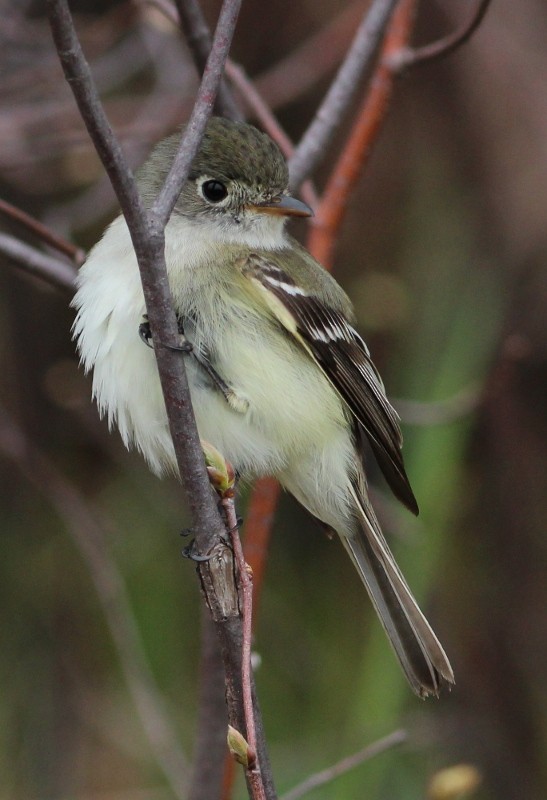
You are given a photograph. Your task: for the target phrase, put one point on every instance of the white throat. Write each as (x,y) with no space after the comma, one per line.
(256,231)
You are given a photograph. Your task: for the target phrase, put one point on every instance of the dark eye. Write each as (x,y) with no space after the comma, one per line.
(214,191)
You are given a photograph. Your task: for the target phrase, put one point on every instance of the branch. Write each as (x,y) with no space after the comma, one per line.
(42,232)
(86,531)
(198,37)
(258,106)
(345,765)
(51,270)
(329,116)
(210,747)
(148,237)
(312,60)
(201,112)
(447,45)
(148,240)
(335,199)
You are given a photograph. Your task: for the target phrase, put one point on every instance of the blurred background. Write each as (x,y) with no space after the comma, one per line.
(444,252)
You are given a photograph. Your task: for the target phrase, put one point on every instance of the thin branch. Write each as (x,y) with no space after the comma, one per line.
(258,106)
(258,528)
(448,44)
(86,531)
(440,412)
(345,765)
(147,233)
(148,240)
(311,61)
(42,232)
(315,141)
(54,271)
(210,746)
(246,584)
(78,75)
(198,37)
(335,199)
(252,768)
(201,112)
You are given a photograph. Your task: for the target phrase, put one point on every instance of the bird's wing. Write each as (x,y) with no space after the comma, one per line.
(344,358)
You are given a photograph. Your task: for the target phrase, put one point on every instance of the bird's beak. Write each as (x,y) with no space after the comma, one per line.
(283,206)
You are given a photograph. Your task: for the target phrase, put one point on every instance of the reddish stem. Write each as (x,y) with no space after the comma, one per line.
(334,202)
(246,583)
(258,527)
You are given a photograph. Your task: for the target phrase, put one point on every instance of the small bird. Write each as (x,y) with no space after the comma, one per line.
(281,382)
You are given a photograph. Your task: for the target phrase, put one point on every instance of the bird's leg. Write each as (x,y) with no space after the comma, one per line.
(239,404)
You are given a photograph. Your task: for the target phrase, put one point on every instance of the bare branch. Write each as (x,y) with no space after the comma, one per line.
(148,240)
(312,60)
(331,212)
(345,765)
(440,412)
(329,115)
(201,112)
(86,530)
(198,36)
(42,231)
(445,46)
(78,75)
(54,271)
(212,720)
(148,237)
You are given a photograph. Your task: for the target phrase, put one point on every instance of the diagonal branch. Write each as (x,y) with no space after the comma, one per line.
(335,199)
(86,530)
(147,231)
(52,270)
(201,112)
(42,232)
(148,240)
(198,37)
(329,115)
(345,765)
(448,44)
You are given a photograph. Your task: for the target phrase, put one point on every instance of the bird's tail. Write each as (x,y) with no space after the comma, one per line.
(420,653)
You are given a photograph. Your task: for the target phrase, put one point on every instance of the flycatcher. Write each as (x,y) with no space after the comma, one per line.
(281,382)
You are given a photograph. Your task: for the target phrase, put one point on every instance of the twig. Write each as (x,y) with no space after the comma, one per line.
(318,55)
(334,201)
(86,531)
(258,106)
(54,271)
(329,115)
(210,747)
(201,112)
(445,46)
(440,412)
(188,14)
(148,241)
(147,233)
(258,527)
(345,765)
(198,36)
(246,584)
(43,232)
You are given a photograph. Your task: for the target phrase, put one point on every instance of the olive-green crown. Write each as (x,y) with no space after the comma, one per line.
(229,151)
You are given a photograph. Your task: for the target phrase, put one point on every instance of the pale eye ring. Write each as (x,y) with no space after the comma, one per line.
(214,191)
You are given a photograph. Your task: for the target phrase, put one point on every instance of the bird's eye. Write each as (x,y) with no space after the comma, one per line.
(214,191)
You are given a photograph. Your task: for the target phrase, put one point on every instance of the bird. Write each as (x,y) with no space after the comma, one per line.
(281,382)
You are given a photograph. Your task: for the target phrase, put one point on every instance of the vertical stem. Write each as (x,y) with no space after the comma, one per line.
(210,749)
